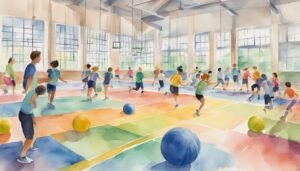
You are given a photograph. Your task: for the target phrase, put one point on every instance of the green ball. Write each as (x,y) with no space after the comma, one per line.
(4,126)
(256,124)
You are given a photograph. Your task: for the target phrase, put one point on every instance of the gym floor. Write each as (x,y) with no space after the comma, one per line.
(132,142)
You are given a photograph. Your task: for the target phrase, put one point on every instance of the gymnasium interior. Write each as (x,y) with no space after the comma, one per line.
(150,85)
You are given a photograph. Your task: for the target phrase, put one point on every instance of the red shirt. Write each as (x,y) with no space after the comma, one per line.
(246,75)
(130,72)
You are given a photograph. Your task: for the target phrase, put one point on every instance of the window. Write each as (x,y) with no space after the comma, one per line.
(254,48)
(126,57)
(145,59)
(19,38)
(289,47)
(174,53)
(223,50)
(97,49)
(202,50)
(67,46)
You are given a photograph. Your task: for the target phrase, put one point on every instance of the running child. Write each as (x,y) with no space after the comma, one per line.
(227,77)
(235,75)
(245,81)
(117,73)
(275,82)
(176,82)
(268,89)
(108,76)
(130,76)
(219,79)
(161,80)
(255,88)
(200,87)
(28,121)
(85,75)
(139,81)
(9,76)
(53,75)
(193,75)
(156,73)
(92,83)
(292,95)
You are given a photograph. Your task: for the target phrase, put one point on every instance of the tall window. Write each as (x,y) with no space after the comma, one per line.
(97,49)
(174,53)
(145,59)
(289,48)
(67,46)
(126,57)
(202,50)
(223,51)
(254,48)
(19,38)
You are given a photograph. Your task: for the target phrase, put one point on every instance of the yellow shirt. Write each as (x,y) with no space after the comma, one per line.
(256,75)
(176,80)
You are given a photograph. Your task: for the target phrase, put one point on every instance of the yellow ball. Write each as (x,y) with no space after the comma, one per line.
(256,124)
(4,126)
(81,123)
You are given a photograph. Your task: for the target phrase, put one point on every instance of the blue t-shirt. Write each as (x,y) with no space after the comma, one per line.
(235,72)
(94,76)
(30,71)
(26,106)
(107,77)
(54,75)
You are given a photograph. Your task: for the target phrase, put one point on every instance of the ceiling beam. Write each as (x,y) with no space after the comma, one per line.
(158,27)
(110,2)
(229,10)
(273,6)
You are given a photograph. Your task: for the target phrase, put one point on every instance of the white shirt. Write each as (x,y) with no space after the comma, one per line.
(161,76)
(220,75)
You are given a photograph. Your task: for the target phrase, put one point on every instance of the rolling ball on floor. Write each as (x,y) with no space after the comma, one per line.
(128,109)
(81,123)
(180,146)
(256,124)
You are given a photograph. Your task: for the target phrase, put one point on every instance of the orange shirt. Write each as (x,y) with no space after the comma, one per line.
(256,75)
(291,93)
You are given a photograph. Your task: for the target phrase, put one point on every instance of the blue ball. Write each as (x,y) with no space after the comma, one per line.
(128,109)
(180,146)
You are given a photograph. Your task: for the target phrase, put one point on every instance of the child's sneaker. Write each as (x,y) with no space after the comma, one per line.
(197,113)
(159,89)
(166,93)
(34,148)
(258,97)
(142,92)
(177,105)
(24,160)
(129,90)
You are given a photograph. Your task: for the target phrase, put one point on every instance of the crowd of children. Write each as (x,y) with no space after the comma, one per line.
(199,81)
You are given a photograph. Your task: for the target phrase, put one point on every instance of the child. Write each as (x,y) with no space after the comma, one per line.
(130,73)
(139,81)
(292,95)
(30,80)
(85,75)
(219,79)
(10,75)
(193,74)
(275,82)
(117,74)
(256,76)
(54,76)
(245,81)
(226,77)
(92,83)
(107,79)
(176,81)
(199,91)
(267,87)
(161,79)
(27,120)
(156,73)
(235,76)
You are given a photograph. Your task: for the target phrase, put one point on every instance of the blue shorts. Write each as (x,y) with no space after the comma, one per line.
(174,90)
(106,82)
(245,81)
(51,88)
(138,86)
(27,124)
(226,78)
(235,78)
(117,76)
(85,80)
(91,84)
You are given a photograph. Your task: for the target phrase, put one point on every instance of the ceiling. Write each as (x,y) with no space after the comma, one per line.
(151,11)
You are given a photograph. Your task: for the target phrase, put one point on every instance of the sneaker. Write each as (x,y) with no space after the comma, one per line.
(129,90)
(24,160)
(142,92)
(34,148)
(197,113)
(177,105)
(5,91)
(258,98)
(166,93)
